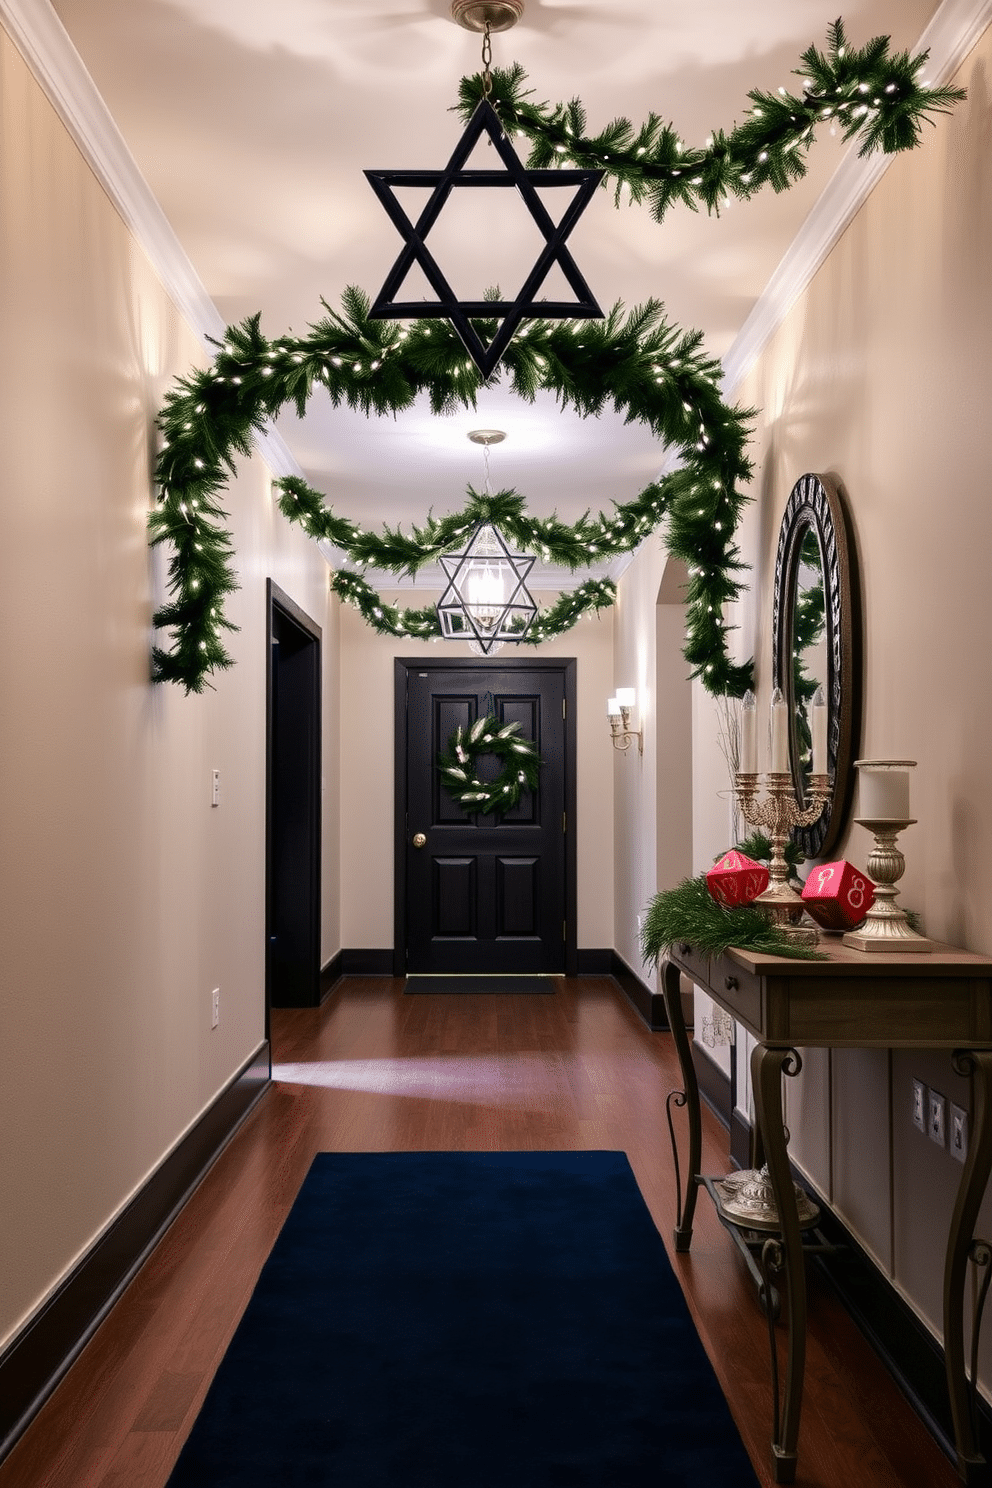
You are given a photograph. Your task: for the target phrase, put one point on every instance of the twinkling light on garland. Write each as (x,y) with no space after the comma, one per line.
(645,368)
(871,94)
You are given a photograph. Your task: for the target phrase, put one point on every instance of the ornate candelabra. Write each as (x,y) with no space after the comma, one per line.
(778,813)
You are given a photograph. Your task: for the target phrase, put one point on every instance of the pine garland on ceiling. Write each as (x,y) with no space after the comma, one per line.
(871,93)
(645,368)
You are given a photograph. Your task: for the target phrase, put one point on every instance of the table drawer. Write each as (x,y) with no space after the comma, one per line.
(736,990)
(694,963)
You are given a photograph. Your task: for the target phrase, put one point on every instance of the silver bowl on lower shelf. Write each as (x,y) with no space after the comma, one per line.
(748,1200)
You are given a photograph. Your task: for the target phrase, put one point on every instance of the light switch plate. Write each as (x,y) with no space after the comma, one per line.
(921,1104)
(937,1123)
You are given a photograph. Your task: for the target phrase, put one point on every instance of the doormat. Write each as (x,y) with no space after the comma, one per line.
(466,1320)
(474,986)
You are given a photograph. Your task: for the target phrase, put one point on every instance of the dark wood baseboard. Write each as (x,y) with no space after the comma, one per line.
(906,1347)
(593,961)
(361,963)
(330,973)
(34,1362)
(714,1086)
(740,1139)
(647,1000)
(908,1350)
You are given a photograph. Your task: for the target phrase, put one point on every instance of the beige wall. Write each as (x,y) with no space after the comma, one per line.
(367,756)
(882,374)
(125,897)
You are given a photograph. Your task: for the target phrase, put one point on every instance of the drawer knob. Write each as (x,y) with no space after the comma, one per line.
(731,984)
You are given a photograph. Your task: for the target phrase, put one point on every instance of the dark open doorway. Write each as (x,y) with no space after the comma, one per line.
(292,963)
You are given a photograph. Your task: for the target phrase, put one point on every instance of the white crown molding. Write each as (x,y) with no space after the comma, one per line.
(949,38)
(46,47)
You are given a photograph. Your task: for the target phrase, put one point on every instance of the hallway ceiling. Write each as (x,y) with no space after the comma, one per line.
(252,123)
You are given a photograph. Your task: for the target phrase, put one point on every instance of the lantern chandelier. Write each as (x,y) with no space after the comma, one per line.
(487,601)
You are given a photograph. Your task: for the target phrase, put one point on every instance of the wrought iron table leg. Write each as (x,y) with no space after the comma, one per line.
(688,1096)
(972,1466)
(767,1067)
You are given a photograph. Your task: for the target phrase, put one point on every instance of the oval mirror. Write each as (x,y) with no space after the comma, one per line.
(816,644)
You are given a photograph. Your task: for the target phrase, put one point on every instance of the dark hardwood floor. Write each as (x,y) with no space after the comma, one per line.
(373,1070)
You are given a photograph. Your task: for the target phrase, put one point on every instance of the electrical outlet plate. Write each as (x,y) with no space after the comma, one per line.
(938,1118)
(215,787)
(921,1105)
(959,1132)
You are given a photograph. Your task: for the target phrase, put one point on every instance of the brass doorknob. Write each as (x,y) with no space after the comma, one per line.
(419,840)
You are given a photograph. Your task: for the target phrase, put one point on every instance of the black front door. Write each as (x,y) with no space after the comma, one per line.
(483,893)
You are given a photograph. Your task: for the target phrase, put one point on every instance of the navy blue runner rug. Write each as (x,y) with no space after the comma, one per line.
(466,1320)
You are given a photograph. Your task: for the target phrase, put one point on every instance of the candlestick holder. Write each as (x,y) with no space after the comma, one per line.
(886,927)
(778,813)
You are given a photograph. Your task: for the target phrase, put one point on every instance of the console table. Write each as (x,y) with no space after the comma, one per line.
(942,1000)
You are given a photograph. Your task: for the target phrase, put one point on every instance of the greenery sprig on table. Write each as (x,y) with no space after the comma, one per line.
(648,370)
(872,94)
(688,914)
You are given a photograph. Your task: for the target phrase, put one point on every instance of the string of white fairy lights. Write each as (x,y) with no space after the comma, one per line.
(645,368)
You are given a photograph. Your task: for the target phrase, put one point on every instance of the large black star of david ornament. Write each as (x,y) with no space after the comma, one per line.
(485,120)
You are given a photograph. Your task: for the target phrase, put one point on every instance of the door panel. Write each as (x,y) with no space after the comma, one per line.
(455,896)
(518,896)
(484,893)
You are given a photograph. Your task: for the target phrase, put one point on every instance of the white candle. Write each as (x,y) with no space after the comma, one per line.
(818,729)
(883,789)
(612,708)
(749,746)
(780,732)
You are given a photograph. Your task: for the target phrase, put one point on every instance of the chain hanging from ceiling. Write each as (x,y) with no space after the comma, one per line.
(464,315)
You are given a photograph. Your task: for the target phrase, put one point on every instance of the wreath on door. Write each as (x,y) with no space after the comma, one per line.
(459,770)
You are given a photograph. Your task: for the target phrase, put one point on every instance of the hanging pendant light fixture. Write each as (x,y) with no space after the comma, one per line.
(469,318)
(487,602)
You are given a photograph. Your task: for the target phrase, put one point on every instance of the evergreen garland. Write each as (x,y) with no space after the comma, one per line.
(519,757)
(872,94)
(689,914)
(647,369)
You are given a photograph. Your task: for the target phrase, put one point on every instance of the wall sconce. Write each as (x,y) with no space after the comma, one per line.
(619,710)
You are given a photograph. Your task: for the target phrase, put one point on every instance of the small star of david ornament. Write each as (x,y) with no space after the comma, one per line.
(510,313)
(486,599)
